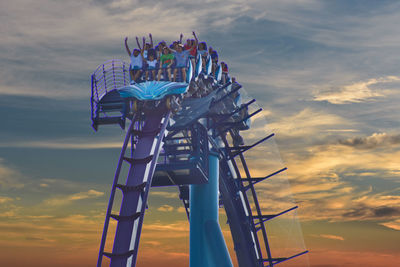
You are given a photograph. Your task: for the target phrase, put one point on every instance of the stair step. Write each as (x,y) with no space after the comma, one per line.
(125,218)
(146,133)
(139,160)
(111,106)
(108,120)
(126,188)
(114,255)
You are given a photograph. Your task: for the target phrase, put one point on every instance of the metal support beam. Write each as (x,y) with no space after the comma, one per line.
(207,245)
(264,218)
(279,260)
(243,149)
(254,181)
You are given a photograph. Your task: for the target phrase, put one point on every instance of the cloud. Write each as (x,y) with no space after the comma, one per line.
(181,210)
(325,160)
(166,208)
(373,141)
(164,194)
(65,200)
(333,237)
(332,183)
(307,121)
(351,257)
(362,212)
(4,200)
(392,224)
(357,92)
(9,177)
(63,144)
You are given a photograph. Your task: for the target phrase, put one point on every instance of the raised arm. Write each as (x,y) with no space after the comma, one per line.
(138,44)
(195,42)
(127,47)
(180,38)
(151,40)
(195,37)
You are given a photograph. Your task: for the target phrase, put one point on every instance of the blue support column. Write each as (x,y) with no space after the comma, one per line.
(207,244)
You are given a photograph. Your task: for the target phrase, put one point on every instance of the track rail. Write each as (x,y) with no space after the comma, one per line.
(147,142)
(245,222)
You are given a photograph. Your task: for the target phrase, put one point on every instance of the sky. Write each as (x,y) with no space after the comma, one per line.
(326,74)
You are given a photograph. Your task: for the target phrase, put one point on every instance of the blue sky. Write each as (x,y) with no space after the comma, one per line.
(325,72)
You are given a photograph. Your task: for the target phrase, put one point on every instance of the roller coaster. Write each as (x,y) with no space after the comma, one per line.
(185,134)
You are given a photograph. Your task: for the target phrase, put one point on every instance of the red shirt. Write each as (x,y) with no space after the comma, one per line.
(193,52)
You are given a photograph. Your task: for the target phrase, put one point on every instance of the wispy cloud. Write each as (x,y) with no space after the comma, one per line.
(63,144)
(166,208)
(325,191)
(333,237)
(307,121)
(9,177)
(4,200)
(164,194)
(372,141)
(392,224)
(356,92)
(64,200)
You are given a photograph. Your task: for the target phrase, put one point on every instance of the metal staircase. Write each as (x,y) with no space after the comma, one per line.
(146,138)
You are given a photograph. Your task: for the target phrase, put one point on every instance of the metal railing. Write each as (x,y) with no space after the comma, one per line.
(108,76)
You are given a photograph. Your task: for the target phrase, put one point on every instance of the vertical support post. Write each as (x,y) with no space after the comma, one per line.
(104,78)
(207,244)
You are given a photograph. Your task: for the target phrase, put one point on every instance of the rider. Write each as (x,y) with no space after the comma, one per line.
(135,69)
(182,57)
(166,61)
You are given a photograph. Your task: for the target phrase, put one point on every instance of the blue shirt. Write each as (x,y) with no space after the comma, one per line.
(181,58)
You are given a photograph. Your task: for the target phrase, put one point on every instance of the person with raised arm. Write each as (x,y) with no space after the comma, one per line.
(150,59)
(135,70)
(182,57)
(166,60)
(193,52)
(180,38)
(150,48)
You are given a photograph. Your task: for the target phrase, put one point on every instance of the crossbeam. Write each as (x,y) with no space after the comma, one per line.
(264,218)
(243,149)
(280,260)
(227,95)
(229,115)
(254,181)
(233,124)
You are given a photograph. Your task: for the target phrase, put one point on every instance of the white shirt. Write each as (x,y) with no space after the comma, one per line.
(136,61)
(152,63)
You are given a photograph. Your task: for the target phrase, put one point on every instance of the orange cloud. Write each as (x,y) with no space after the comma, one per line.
(392,224)
(64,200)
(166,208)
(334,237)
(356,92)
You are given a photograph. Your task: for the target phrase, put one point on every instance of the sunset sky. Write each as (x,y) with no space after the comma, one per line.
(326,74)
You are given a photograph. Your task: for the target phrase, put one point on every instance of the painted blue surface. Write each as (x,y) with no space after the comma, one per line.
(199,65)
(218,73)
(189,72)
(208,66)
(207,245)
(153,90)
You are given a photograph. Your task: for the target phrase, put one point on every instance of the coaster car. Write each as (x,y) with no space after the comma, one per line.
(150,94)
